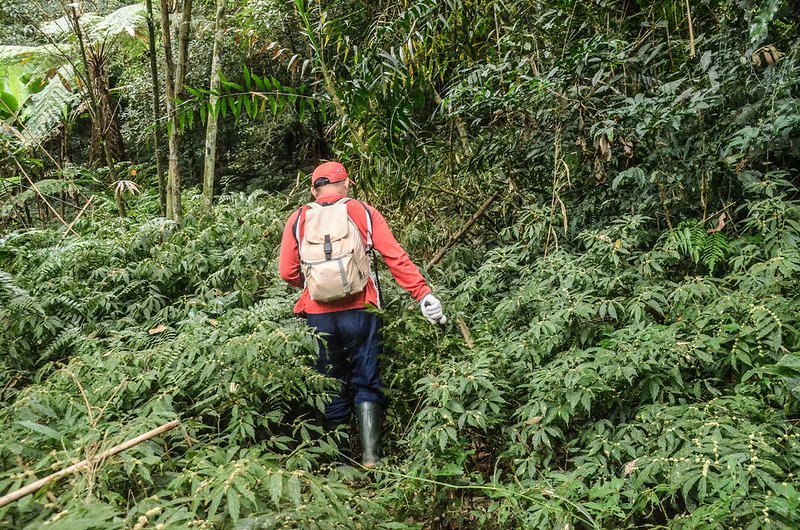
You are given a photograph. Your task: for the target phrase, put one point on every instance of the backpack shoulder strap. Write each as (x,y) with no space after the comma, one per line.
(314,205)
(369,226)
(296,225)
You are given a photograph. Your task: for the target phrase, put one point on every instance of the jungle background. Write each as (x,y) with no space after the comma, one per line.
(603,193)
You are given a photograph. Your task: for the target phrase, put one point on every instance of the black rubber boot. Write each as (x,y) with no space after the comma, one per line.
(369,416)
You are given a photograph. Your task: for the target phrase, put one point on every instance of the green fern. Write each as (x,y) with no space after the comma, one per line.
(124,21)
(705,249)
(715,250)
(48,107)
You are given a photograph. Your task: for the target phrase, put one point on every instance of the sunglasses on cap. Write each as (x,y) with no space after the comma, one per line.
(322,181)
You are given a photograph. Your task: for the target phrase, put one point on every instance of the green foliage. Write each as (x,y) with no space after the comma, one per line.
(36,107)
(107,354)
(601,386)
(622,349)
(256,98)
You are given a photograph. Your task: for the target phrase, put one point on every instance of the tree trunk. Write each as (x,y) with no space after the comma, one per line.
(174,84)
(109,120)
(183,47)
(169,89)
(120,204)
(28,214)
(98,148)
(211,126)
(151,33)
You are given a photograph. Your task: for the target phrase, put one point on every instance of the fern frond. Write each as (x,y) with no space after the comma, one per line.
(714,250)
(67,338)
(7,287)
(40,56)
(47,108)
(127,20)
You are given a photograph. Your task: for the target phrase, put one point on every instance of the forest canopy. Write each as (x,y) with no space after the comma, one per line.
(604,195)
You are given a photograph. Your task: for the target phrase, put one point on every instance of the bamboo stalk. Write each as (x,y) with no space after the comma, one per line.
(692,51)
(69,228)
(39,193)
(39,484)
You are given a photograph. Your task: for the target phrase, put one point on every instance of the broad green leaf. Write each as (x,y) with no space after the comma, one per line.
(42,429)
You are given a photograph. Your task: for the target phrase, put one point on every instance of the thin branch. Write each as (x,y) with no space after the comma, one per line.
(51,197)
(36,189)
(78,216)
(29,473)
(453,240)
(39,484)
(692,51)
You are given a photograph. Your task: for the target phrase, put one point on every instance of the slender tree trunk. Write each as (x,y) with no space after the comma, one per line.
(180,79)
(174,84)
(183,46)
(28,214)
(120,205)
(169,89)
(211,126)
(62,154)
(151,33)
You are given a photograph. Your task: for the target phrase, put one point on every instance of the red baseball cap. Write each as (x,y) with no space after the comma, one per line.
(333,171)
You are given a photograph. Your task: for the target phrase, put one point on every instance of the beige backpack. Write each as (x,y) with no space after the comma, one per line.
(333,257)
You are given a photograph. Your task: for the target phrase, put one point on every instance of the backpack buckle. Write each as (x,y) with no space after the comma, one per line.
(328,247)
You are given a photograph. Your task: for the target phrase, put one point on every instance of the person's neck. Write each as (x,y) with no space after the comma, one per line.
(330,196)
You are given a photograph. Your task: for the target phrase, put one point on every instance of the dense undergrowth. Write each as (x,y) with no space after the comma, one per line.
(614,382)
(622,350)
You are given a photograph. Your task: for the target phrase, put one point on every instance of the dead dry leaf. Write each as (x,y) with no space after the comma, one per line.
(603,146)
(161,328)
(630,467)
(720,224)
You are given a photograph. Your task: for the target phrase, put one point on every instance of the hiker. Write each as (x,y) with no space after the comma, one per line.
(326,251)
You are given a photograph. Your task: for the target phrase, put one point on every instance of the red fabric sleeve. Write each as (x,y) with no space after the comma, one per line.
(404,271)
(289,261)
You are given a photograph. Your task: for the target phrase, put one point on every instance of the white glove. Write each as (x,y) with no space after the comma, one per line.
(432,310)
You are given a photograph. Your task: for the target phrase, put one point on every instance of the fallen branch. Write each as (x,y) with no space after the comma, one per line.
(28,473)
(69,228)
(39,484)
(39,193)
(453,240)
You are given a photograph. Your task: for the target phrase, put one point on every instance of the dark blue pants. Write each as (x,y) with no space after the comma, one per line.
(348,351)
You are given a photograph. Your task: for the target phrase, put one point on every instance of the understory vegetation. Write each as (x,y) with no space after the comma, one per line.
(622,349)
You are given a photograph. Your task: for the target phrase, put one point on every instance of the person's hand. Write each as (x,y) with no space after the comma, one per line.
(432,310)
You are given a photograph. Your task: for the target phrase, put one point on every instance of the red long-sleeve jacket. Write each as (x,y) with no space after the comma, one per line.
(403,270)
